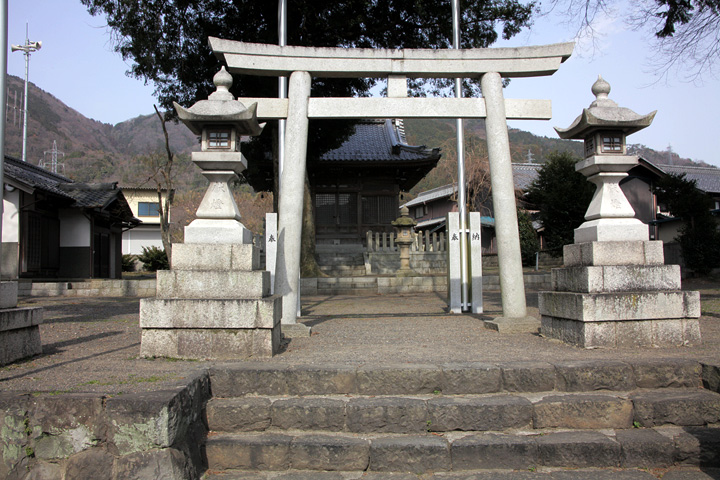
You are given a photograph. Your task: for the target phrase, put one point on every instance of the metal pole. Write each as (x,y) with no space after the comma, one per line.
(283,93)
(3,99)
(25,99)
(462,208)
(282,88)
(26,49)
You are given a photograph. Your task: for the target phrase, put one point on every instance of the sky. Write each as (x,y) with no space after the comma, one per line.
(78,66)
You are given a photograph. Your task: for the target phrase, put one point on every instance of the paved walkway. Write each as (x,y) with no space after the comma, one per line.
(93,344)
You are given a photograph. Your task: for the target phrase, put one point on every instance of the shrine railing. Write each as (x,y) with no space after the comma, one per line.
(422,242)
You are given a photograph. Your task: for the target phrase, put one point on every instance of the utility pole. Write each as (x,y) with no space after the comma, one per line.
(3,103)
(27,49)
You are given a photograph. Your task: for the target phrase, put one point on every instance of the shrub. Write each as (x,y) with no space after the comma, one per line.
(154,259)
(128,263)
(528,239)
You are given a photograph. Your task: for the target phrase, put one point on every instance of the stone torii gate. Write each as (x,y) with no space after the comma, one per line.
(303,63)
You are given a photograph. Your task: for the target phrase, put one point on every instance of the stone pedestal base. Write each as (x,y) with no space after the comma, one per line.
(211,305)
(217,231)
(19,333)
(8,294)
(633,333)
(513,325)
(619,294)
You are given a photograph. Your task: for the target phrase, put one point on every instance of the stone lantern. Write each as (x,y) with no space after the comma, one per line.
(404,238)
(215,302)
(614,289)
(604,127)
(219,121)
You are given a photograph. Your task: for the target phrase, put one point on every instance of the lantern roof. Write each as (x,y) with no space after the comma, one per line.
(221,108)
(605,114)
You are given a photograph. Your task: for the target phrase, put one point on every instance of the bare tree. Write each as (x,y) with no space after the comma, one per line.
(685,34)
(162,174)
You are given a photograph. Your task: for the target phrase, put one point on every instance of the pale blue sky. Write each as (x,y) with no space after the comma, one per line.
(77,65)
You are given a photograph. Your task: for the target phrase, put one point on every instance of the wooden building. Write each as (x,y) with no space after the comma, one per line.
(356,187)
(56,228)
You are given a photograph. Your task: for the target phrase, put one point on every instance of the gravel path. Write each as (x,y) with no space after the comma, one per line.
(93,344)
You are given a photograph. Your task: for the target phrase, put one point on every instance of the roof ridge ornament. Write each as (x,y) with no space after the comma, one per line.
(601,90)
(223,81)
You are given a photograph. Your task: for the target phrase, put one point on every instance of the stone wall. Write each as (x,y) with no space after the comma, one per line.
(389,284)
(89,288)
(433,263)
(97,437)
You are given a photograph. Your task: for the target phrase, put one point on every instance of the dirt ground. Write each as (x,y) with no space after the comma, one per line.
(93,344)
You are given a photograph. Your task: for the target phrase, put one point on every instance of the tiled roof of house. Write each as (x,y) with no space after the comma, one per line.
(379,141)
(524,174)
(91,195)
(34,176)
(78,195)
(434,194)
(707,178)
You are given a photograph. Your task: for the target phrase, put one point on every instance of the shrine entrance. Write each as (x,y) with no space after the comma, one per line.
(300,64)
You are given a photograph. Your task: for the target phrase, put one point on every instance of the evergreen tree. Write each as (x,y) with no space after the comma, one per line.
(699,238)
(562,196)
(529,244)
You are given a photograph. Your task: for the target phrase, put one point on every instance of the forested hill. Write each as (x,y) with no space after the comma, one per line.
(524,147)
(96,151)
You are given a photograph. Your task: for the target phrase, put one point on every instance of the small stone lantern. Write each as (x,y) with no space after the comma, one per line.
(404,238)
(604,127)
(219,121)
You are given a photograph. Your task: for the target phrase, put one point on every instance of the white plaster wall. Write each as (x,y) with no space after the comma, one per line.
(135,196)
(11,217)
(75,229)
(133,240)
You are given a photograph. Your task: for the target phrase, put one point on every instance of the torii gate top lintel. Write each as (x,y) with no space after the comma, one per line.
(274,60)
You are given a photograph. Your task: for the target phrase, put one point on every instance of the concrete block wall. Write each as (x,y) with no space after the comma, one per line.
(388,284)
(89,288)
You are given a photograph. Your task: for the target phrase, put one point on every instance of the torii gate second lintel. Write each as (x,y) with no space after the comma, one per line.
(490,64)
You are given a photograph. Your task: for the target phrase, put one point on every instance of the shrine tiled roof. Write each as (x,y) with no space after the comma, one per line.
(379,141)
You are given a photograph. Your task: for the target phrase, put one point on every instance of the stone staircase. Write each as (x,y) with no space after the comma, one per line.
(399,421)
(342,264)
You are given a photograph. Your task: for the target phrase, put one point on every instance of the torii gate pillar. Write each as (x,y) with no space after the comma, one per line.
(512,284)
(290,202)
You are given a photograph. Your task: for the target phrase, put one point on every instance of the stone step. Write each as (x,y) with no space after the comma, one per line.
(676,473)
(343,270)
(472,451)
(329,259)
(240,379)
(441,413)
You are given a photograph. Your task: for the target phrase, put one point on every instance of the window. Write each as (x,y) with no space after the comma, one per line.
(379,210)
(589,146)
(612,143)
(219,139)
(148,209)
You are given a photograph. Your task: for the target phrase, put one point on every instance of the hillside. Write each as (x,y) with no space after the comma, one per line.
(95,151)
